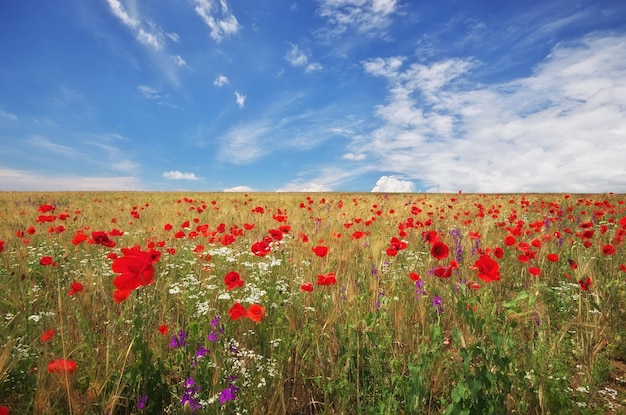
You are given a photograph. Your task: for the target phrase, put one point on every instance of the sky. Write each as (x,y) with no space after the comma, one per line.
(313,95)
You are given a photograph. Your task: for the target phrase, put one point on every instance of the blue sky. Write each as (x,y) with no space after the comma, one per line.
(315,95)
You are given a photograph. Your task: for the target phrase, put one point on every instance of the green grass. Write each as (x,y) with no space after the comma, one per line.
(376,342)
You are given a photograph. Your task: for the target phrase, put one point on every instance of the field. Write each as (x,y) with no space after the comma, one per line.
(224,303)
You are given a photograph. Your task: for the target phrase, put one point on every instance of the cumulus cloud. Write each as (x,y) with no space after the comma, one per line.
(218,17)
(391,184)
(555,130)
(221,80)
(239,189)
(177,175)
(240,99)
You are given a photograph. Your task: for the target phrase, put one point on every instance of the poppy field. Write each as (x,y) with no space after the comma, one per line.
(321,303)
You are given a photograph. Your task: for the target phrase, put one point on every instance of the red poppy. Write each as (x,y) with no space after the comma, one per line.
(357,235)
(255,313)
(552,257)
(47,260)
(430,236)
(120,295)
(328,279)
(320,250)
(473,286)
(534,271)
(163,329)
(135,268)
(46,208)
(608,249)
(443,272)
(584,284)
(237,311)
(307,287)
(414,276)
(4,410)
(101,238)
(1,245)
(79,237)
(61,366)
(392,251)
(233,280)
(261,248)
(76,287)
(167,227)
(509,240)
(248,226)
(439,250)
(47,335)
(488,269)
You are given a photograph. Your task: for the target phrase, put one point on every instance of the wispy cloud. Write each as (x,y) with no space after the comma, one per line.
(555,130)
(177,175)
(13,179)
(8,115)
(297,57)
(218,17)
(150,35)
(155,95)
(367,17)
(221,80)
(240,99)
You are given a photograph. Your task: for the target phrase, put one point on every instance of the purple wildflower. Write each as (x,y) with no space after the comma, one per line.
(179,341)
(438,303)
(141,402)
(228,394)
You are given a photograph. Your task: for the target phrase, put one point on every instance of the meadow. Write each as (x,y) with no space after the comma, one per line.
(225,303)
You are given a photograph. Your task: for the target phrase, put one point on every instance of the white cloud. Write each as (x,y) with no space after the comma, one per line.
(558,129)
(178,60)
(22,180)
(218,17)
(354,157)
(177,175)
(297,57)
(118,10)
(8,115)
(310,187)
(240,98)
(390,184)
(369,17)
(221,80)
(149,92)
(150,39)
(239,189)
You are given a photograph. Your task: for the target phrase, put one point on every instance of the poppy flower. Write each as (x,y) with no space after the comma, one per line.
(320,250)
(414,276)
(163,329)
(439,250)
(328,279)
(509,240)
(45,208)
(255,313)
(498,252)
(237,311)
(430,236)
(47,260)
(584,284)
(357,235)
(261,248)
(47,335)
(233,280)
(120,295)
(135,268)
(488,269)
(534,271)
(61,366)
(1,246)
(443,272)
(101,238)
(76,287)
(608,249)
(392,251)
(552,257)
(4,410)
(306,287)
